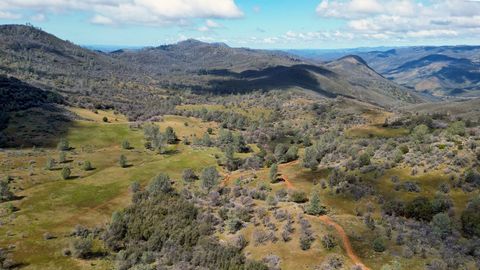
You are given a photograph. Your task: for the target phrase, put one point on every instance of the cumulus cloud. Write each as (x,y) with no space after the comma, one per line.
(399,19)
(9,15)
(209,25)
(151,12)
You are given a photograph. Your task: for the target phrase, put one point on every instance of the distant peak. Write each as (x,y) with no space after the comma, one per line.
(190,42)
(354,59)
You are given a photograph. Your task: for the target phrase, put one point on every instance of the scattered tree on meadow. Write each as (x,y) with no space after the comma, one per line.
(122,161)
(50,164)
(314,207)
(126,145)
(87,165)
(170,135)
(66,173)
(63,145)
(62,157)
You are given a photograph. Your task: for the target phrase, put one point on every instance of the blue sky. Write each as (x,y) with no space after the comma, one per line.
(280,24)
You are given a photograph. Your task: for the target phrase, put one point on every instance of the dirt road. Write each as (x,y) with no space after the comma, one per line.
(327,220)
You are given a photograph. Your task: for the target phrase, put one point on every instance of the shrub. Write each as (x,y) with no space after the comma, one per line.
(442,226)
(50,165)
(87,166)
(63,145)
(419,208)
(379,245)
(5,193)
(305,241)
(126,144)
(189,175)
(273,174)
(298,196)
(328,241)
(66,173)
(160,183)
(122,161)
(471,218)
(364,159)
(62,157)
(456,128)
(170,135)
(81,247)
(209,177)
(105,119)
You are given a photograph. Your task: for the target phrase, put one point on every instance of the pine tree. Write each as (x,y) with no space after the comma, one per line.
(314,207)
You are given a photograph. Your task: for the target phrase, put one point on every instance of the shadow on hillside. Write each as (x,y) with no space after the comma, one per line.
(278,77)
(31,116)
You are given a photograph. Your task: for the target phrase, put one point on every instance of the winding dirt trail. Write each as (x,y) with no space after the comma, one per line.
(327,220)
(346,242)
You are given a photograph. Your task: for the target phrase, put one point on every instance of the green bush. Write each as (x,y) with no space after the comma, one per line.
(126,145)
(81,247)
(63,145)
(471,218)
(122,161)
(298,196)
(379,245)
(87,166)
(50,164)
(66,173)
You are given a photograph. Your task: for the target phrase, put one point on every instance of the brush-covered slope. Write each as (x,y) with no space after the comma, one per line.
(130,81)
(442,71)
(219,68)
(366,84)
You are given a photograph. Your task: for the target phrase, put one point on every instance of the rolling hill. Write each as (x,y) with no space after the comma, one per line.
(128,80)
(443,71)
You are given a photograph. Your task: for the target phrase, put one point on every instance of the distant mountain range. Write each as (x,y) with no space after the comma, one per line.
(126,79)
(443,71)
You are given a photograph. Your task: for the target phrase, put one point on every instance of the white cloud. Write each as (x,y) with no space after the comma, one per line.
(212,24)
(150,12)
(40,17)
(9,15)
(399,19)
(209,25)
(99,19)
